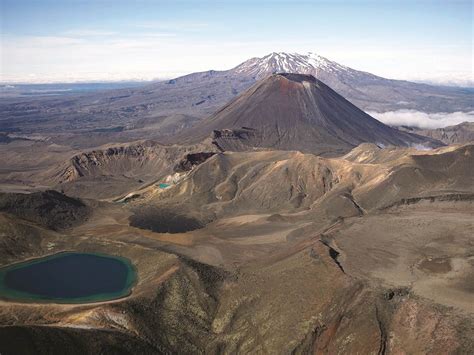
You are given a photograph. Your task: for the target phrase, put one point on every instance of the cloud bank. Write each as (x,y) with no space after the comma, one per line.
(421,119)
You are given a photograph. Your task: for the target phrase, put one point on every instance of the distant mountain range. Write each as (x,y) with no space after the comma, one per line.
(164,108)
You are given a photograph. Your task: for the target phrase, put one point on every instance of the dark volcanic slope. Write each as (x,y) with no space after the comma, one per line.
(294,112)
(49,208)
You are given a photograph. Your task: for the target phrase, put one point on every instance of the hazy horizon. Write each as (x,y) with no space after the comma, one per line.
(99,41)
(111,78)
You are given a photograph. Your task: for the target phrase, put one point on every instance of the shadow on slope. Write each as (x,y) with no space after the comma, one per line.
(50,208)
(164,221)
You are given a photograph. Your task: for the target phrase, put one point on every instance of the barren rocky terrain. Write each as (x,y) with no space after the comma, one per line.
(286,252)
(460,133)
(275,248)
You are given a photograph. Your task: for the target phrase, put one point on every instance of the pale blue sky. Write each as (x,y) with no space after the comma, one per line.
(107,40)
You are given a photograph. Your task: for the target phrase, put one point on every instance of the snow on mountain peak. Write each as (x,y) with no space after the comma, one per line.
(278,62)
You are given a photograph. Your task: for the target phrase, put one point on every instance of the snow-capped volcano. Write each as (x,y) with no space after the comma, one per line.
(201,94)
(281,62)
(351,83)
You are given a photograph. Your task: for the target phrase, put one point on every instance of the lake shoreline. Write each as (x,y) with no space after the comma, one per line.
(129,277)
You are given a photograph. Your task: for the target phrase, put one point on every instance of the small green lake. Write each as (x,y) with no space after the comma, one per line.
(69,277)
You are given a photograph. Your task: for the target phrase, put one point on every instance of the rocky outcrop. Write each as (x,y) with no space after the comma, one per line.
(140,159)
(191,160)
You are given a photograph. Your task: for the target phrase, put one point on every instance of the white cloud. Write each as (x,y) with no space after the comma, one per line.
(38,42)
(158,34)
(176,25)
(88,33)
(420,119)
(421,147)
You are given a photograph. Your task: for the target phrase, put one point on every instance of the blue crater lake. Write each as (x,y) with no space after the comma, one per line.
(69,277)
